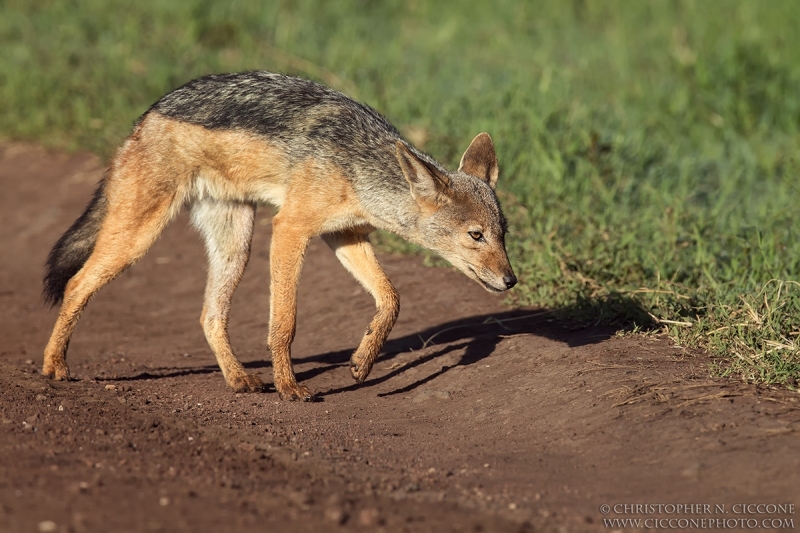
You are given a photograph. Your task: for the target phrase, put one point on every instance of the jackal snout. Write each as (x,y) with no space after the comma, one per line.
(492,269)
(501,282)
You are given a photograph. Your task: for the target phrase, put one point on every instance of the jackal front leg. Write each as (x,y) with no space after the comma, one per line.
(287,249)
(355,252)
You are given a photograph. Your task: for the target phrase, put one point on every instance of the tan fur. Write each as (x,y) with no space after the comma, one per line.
(166,163)
(480,160)
(224,173)
(354,251)
(227,228)
(313,207)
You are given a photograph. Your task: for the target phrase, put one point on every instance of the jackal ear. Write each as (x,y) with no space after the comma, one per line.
(427,182)
(480,160)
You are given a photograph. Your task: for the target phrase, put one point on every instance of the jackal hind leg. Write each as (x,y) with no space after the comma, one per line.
(227,228)
(288,246)
(128,231)
(356,254)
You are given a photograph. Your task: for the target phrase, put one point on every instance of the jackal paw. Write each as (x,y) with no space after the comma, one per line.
(59,371)
(359,370)
(293,392)
(246,383)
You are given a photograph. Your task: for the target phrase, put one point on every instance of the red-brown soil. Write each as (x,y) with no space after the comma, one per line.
(477,417)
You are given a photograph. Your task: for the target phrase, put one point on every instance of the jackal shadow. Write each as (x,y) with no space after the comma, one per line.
(478,336)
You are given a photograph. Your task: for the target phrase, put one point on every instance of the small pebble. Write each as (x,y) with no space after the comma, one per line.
(111,387)
(335,515)
(368,517)
(164,501)
(47,526)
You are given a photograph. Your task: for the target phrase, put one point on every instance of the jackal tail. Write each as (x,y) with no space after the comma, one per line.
(73,249)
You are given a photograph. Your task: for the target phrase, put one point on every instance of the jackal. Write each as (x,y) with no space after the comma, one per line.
(222,144)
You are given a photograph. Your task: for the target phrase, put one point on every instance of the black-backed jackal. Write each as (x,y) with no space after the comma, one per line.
(223,144)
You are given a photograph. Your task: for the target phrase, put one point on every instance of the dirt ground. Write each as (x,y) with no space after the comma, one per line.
(477,417)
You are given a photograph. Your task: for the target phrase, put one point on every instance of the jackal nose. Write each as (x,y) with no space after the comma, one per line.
(510,281)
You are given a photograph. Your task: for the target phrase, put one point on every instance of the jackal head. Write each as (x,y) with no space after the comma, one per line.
(459,215)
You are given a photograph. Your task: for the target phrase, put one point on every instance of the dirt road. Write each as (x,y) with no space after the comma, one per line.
(476,418)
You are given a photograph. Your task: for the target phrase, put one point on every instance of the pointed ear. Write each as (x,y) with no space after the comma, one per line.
(427,183)
(480,160)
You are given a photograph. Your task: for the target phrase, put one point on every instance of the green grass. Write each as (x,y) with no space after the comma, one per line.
(649,150)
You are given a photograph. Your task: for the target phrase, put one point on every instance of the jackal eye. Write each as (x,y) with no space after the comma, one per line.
(477,235)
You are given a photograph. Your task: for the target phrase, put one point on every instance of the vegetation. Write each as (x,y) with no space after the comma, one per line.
(648,149)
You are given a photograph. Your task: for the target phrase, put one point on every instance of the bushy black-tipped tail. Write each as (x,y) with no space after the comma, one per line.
(74,248)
